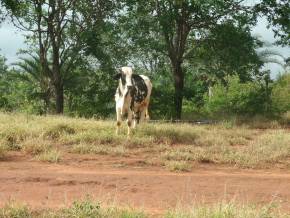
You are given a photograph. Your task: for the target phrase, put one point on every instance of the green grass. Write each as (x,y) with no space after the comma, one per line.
(225,143)
(91,209)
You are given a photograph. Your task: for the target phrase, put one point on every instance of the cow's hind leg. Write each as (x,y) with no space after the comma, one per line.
(136,119)
(119,119)
(129,122)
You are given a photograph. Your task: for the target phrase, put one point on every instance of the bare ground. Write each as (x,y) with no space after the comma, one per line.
(126,181)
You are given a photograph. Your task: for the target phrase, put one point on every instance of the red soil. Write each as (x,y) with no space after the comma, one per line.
(124,181)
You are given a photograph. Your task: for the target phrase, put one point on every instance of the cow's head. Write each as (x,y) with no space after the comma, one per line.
(124,75)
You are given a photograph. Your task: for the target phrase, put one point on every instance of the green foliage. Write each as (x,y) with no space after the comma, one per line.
(40,92)
(3,84)
(281,94)
(236,98)
(228,49)
(161,103)
(92,94)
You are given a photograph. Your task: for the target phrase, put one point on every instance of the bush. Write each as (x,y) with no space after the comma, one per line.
(237,99)
(281,95)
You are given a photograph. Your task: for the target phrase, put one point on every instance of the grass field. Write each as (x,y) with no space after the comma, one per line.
(177,147)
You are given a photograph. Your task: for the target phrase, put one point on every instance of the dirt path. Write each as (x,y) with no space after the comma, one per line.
(154,189)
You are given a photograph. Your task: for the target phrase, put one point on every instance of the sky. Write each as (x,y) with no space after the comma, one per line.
(12,39)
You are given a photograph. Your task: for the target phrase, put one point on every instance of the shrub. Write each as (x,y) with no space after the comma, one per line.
(237,98)
(281,94)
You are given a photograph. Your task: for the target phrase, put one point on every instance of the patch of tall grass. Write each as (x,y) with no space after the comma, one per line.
(228,210)
(79,209)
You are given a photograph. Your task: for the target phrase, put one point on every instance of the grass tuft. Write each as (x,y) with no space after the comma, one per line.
(178,166)
(36,146)
(14,210)
(51,155)
(58,130)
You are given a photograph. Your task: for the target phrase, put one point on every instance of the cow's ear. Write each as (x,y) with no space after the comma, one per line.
(117,76)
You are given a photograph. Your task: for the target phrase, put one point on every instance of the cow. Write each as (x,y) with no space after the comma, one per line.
(132,97)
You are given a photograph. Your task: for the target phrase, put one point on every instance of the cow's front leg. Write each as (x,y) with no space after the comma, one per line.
(119,119)
(129,122)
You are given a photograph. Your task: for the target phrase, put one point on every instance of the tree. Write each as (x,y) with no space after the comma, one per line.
(228,49)
(181,24)
(55,27)
(277,13)
(3,66)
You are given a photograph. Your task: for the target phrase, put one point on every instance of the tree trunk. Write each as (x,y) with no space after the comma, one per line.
(59,97)
(178,85)
(58,81)
(46,101)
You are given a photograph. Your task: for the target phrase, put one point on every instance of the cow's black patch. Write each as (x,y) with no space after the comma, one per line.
(123,79)
(140,88)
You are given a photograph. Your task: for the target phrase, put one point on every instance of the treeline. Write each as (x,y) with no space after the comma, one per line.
(200,55)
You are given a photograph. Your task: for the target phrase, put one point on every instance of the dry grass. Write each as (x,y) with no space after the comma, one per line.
(225,143)
(228,210)
(51,156)
(178,166)
(79,209)
(89,208)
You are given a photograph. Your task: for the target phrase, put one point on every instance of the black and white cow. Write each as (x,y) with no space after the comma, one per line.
(132,97)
